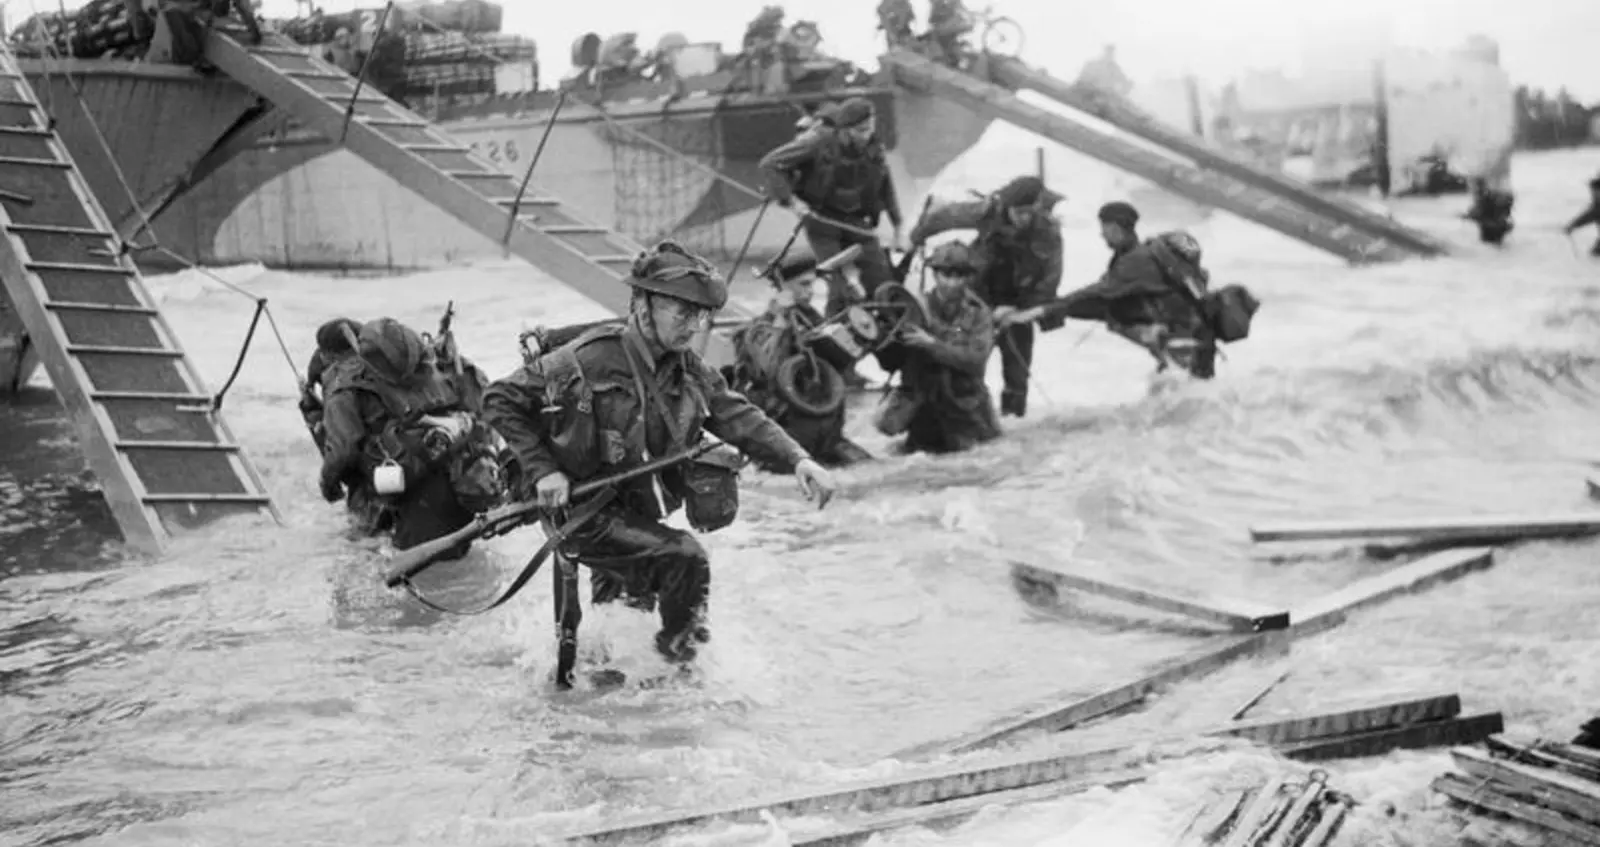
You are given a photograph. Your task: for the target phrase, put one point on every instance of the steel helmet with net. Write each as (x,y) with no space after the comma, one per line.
(392,346)
(952,255)
(672,271)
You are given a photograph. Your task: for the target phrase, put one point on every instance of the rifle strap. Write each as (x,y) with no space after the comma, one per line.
(578,517)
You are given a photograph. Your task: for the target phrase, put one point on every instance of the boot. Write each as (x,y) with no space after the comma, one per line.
(1013,403)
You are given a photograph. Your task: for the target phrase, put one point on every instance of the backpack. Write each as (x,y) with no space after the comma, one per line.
(1227,311)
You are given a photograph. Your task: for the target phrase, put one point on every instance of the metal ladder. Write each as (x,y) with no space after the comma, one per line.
(419,156)
(145,421)
(1204,153)
(1251,202)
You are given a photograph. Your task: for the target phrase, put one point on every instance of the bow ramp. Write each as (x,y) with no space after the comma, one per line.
(1188,167)
(591,259)
(164,456)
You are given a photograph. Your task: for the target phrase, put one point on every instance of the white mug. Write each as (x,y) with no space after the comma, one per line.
(389,478)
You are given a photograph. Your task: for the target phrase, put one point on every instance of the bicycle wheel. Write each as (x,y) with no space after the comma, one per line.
(1003,37)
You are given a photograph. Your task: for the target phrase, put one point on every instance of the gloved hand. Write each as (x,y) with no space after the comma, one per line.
(554,491)
(332,489)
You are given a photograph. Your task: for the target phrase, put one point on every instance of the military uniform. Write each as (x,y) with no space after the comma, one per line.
(1020,267)
(843,182)
(1151,292)
(372,416)
(942,404)
(1590,215)
(609,401)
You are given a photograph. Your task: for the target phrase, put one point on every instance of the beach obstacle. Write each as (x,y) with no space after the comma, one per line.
(1479,529)
(1234,614)
(1552,787)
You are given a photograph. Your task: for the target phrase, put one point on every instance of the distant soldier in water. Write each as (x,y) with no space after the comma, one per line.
(1019,256)
(406,446)
(1155,294)
(837,167)
(1590,215)
(1491,211)
(942,404)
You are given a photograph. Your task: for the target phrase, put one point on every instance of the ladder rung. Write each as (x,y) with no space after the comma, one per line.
(434,148)
(101,307)
(177,445)
(23,103)
(344,99)
(35,163)
(205,498)
(317,75)
(60,230)
(25,130)
(149,395)
(617,259)
(574,230)
(395,122)
(269,50)
(478,174)
(74,266)
(162,352)
(508,202)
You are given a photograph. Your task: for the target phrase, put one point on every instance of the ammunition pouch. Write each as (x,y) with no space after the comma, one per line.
(709,488)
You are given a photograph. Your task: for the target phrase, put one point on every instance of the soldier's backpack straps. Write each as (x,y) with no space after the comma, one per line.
(562,372)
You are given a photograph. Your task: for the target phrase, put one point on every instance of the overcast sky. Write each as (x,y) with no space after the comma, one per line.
(1543,42)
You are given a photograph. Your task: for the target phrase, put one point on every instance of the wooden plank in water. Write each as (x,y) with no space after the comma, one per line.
(954,782)
(1203,660)
(1470,729)
(1477,529)
(1330,609)
(1238,615)
(1564,793)
(1594,487)
(1487,796)
(1354,719)
(952,811)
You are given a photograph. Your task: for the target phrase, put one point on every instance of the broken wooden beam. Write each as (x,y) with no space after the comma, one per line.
(950,812)
(1316,616)
(1487,796)
(1570,795)
(1330,609)
(1475,529)
(955,782)
(1237,615)
(1205,659)
(1470,729)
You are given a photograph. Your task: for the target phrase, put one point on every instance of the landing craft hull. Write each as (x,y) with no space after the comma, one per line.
(295,200)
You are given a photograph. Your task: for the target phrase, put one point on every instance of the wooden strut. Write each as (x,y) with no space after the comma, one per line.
(1354,730)
(1326,612)
(1478,529)
(16,197)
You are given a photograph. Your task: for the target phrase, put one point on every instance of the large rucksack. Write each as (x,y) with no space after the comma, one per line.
(1228,311)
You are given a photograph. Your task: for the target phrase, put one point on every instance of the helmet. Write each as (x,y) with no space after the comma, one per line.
(952,255)
(1027,191)
(392,346)
(334,336)
(672,271)
(1183,244)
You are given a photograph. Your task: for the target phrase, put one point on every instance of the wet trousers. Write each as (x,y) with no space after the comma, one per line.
(644,563)
(1016,365)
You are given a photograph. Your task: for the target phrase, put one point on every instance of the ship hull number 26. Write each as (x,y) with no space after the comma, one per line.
(501,151)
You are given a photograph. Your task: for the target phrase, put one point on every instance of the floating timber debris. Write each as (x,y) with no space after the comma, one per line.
(1072,709)
(951,792)
(1238,615)
(1479,529)
(1282,812)
(1546,785)
(1594,487)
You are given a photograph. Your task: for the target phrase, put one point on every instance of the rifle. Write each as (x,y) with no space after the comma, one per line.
(499,521)
(447,339)
(903,267)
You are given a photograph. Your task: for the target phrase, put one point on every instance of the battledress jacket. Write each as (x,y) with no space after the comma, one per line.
(947,378)
(580,409)
(1133,290)
(852,184)
(1021,267)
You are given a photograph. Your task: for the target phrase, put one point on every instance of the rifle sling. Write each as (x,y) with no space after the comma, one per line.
(578,517)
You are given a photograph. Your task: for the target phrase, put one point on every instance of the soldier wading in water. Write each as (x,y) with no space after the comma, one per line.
(618,396)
